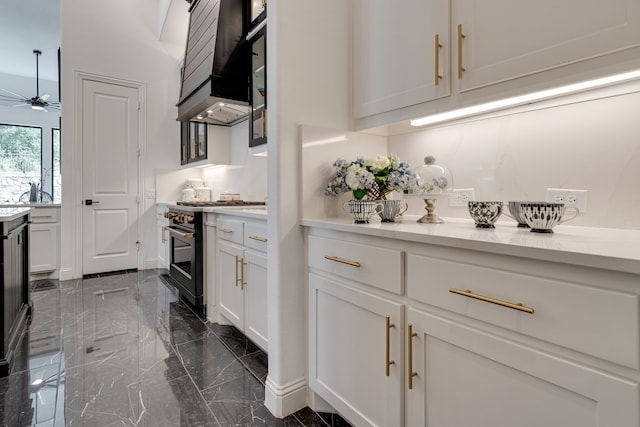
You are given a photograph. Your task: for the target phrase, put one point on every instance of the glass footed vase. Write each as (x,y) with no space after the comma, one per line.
(361,210)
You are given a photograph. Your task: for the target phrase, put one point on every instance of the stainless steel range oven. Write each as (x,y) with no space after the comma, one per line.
(187,247)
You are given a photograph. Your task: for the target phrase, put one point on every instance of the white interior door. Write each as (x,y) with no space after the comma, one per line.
(110,141)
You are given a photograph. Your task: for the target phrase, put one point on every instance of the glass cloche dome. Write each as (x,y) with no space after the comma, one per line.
(432,182)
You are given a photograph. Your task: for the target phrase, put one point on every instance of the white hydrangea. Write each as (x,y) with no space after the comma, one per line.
(378,163)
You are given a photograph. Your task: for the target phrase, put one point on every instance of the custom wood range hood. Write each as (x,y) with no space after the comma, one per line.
(214,86)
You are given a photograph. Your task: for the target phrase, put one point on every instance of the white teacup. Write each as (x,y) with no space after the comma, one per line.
(391,209)
(484,214)
(361,210)
(542,217)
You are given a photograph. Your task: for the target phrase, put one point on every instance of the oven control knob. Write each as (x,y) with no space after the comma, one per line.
(189,219)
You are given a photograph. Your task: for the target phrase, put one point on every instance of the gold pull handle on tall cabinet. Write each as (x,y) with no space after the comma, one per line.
(243,280)
(388,358)
(438,77)
(410,371)
(461,36)
(237,276)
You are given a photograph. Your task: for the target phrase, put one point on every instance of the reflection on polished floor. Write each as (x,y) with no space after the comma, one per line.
(123,350)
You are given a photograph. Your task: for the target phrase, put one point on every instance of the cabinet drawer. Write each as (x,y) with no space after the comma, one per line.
(44,215)
(599,322)
(255,235)
(231,230)
(372,265)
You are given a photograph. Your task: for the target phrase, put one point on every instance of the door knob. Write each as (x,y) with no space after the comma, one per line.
(90,202)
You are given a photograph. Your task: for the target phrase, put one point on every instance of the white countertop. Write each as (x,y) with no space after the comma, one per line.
(258,212)
(612,249)
(9,214)
(30,205)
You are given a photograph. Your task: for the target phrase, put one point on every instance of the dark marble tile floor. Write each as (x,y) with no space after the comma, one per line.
(124,350)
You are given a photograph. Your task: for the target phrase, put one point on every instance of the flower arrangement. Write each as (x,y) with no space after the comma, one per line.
(374,178)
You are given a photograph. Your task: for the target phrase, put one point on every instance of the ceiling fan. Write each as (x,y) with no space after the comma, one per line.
(37,102)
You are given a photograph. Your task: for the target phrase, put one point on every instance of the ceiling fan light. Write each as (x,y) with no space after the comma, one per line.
(37,107)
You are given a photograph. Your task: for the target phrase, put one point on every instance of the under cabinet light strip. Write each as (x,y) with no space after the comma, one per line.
(524,99)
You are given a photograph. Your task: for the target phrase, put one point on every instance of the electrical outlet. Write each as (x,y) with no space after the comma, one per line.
(572,198)
(461,196)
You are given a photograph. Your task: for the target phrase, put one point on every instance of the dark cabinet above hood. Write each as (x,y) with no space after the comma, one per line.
(214,87)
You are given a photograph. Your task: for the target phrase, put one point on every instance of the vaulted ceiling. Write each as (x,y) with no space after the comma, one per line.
(26,25)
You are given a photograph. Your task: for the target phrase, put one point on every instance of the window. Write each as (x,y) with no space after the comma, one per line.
(55,164)
(27,171)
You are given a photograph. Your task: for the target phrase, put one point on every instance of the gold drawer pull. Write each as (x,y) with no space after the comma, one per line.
(517,306)
(343,261)
(258,238)
(225,230)
(389,361)
(410,372)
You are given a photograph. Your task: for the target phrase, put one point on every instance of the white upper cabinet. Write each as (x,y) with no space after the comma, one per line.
(395,55)
(507,39)
(486,50)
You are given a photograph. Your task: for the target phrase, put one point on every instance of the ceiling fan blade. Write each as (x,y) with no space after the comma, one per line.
(10,98)
(45,97)
(20,105)
(20,97)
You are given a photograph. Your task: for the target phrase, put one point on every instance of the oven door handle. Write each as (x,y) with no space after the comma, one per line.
(179,233)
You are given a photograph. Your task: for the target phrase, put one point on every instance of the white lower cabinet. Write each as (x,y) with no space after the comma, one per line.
(356,361)
(467,377)
(474,339)
(242,277)
(43,240)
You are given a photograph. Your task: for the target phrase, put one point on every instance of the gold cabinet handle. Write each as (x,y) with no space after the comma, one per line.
(258,238)
(388,359)
(225,230)
(243,281)
(237,276)
(164,238)
(343,261)
(410,371)
(461,36)
(517,306)
(438,77)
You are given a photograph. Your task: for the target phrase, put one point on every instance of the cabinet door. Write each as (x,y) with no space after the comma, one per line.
(395,54)
(466,377)
(506,39)
(231,298)
(255,298)
(43,248)
(258,123)
(348,347)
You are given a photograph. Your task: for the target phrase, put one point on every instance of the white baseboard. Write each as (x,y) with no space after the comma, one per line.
(286,399)
(66,274)
(150,263)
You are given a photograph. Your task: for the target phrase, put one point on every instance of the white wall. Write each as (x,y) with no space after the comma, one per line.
(308,61)
(581,142)
(247,174)
(118,39)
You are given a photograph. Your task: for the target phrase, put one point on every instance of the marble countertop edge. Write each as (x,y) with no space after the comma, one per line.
(611,249)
